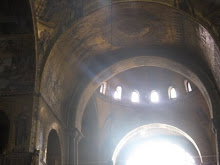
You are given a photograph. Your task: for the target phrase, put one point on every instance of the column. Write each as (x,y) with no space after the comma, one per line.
(74,138)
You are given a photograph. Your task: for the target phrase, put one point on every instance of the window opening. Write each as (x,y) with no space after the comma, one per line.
(117,93)
(172,93)
(135,97)
(154,97)
(103,88)
(188,86)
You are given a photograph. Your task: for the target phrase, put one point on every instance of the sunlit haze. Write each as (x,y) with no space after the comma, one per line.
(159,153)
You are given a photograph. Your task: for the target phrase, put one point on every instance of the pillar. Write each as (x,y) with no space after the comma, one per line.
(74,138)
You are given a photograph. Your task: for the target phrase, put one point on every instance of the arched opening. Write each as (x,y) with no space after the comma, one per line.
(103,88)
(135,98)
(117,93)
(188,86)
(157,144)
(51,67)
(115,119)
(4,127)
(85,90)
(143,61)
(53,149)
(172,93)
(154,97)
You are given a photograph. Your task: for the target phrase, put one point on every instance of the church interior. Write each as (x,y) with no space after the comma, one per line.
(110,82)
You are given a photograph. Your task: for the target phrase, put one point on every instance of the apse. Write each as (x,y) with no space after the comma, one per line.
(139,97)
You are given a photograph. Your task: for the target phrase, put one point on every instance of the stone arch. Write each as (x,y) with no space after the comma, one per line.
(148,128)
(53,148)
(200,81)
(76,61)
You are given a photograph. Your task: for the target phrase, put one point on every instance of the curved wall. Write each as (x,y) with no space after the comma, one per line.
(116,119)
(93,43)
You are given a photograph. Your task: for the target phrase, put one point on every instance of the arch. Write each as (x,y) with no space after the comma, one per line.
(135,97)
(172,92)
(74,56)
(53,148)
(4,127)
(188,86)
(154,96)
(79,109)
(150,127)
(137,62)
(118,93)
(103,88)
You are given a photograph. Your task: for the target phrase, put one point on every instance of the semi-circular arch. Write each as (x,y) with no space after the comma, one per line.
(134,63)
(148,128)
(86,40)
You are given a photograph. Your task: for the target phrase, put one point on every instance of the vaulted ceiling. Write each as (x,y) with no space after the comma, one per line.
(54,17)
(108,34)
(63,33)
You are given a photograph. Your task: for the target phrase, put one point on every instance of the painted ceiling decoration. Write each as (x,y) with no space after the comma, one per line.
(53,17)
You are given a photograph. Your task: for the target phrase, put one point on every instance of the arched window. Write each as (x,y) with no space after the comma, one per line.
(188,86)
(103,88)
(118,92)
(154,97)
(135,97)
(172,93)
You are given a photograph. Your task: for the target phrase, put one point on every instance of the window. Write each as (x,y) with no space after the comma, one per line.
(154,97)
(117,93)
(103,88)
(135,97)
(172,93)
(188,86)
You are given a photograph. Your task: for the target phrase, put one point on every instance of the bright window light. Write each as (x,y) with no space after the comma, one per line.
(159,153)
(189,87)
(103,88)
(117,93)
(135,97)
(172,93)
(154,97)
